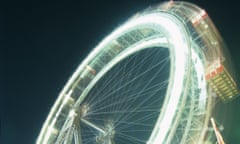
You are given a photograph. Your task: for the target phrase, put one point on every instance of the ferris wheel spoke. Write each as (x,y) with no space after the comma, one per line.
(143,84)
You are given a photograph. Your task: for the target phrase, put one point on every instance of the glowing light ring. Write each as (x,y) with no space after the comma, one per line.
(171,32)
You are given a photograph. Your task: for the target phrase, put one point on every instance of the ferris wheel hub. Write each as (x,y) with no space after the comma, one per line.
(108,136)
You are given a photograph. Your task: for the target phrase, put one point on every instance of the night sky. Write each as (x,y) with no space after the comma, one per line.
(44,42)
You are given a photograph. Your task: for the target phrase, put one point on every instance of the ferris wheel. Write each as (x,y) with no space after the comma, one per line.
(150,81)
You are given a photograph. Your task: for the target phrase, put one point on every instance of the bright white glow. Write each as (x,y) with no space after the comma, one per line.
(54,109)
(49,131)
(72,113)
(199,66)
(168,26)
(67,97)
(177,40)
(175,37)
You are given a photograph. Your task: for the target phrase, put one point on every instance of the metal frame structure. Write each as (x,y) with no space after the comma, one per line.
(193,43)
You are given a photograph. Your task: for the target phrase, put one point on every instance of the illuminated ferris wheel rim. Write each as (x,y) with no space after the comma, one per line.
(173,36)
(179,45)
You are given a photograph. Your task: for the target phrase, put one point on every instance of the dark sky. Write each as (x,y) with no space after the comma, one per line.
(44,41)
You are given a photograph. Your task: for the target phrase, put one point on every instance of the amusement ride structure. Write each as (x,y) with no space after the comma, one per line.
(153,80)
